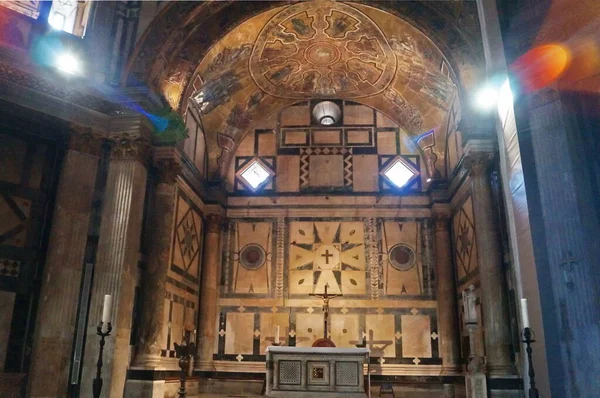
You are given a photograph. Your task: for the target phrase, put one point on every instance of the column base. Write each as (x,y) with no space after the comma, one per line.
(451,370)
(499,371)
(148,361)
(204,366)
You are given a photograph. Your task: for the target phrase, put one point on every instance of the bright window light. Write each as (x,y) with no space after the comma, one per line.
(487,97)
(255,175)
(68,63)
(57,21)
(399,173)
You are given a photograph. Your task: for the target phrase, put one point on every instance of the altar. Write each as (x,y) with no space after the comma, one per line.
(328,371)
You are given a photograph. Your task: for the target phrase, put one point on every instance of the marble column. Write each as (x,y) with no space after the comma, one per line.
(63,270)
(209,293)
(116,267)
(491,275)
(446,292)
(161,220)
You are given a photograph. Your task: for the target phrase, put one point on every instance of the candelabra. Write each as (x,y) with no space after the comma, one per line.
(184,352)
(528,337)
(97,384)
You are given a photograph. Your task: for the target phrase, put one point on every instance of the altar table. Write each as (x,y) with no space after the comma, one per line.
(316,372)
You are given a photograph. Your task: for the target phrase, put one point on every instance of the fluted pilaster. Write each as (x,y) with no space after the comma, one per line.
(160,229)
(492,279)
(209,293)
(446,292)
(63,270)
(116,263)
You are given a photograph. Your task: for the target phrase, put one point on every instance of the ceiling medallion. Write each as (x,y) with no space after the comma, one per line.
(322,49)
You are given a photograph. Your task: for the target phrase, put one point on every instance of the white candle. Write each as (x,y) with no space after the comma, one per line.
(107,309)
(360,336)
(276,334)
(524,313)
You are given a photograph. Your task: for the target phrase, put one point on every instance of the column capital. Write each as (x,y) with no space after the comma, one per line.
(167,161)
(441,214)
(477,163)
(214,222)
(85,140)
(134,146)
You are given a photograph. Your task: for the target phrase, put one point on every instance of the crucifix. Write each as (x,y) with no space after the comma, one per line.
(326,297)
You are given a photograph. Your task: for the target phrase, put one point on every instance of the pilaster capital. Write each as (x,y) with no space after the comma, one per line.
(85,140)
(441,215)
(214,222)
(133,146)
(167,161)
(477,163)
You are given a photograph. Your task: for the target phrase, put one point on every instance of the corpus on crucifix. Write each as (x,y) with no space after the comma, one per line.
(326,297)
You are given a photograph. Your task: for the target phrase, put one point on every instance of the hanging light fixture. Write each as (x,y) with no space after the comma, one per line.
(327,113)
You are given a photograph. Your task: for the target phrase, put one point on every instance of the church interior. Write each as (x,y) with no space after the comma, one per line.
(300,198)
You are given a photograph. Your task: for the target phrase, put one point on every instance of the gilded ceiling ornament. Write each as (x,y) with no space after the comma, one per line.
(322,49)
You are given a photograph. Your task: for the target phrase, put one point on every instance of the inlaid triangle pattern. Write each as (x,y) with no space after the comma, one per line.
(188,239)
(304,168)
(327,253)
(348,168)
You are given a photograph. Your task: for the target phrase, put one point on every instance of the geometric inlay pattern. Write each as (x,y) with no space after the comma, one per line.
(289,372)
(305,154)
(9,268)
(465,236)
(322,49)
(252,256)
(346,374)
(188,239)
(402,257)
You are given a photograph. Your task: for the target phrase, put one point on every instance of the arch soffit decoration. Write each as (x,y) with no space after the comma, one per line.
(244,82)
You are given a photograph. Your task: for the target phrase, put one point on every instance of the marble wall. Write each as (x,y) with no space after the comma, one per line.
(348,157)
(380,268)
(183,277)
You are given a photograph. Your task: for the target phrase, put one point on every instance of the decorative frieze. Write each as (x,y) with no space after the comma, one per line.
(85,140)
(130,146)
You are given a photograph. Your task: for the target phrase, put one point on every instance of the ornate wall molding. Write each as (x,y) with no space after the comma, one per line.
(86,140)
(133,146)
(214,223)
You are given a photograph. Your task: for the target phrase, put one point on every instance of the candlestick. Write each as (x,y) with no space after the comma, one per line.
(524,313)
(107,309)
(97,383)
(276,334)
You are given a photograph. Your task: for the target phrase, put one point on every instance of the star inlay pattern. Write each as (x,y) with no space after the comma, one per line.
(188,239)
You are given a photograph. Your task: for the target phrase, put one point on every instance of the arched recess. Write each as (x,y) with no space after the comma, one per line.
(220,75)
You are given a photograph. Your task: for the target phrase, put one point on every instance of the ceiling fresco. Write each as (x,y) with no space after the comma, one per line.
(282,55)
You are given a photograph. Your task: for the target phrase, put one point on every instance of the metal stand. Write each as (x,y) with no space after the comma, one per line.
(184,353)
(97,384)
(528,337)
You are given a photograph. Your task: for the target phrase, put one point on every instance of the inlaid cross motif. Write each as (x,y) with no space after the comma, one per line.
(327,255)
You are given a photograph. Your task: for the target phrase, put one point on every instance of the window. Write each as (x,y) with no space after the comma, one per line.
(399,172)
(255,174)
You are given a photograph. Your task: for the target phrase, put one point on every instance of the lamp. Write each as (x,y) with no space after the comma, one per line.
(327,113)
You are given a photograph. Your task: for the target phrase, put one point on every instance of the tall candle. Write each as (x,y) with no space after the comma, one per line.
(524,313)
(107,309)
(276,334)
(360,336)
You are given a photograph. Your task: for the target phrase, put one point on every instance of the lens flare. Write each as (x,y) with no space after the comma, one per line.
(541,66)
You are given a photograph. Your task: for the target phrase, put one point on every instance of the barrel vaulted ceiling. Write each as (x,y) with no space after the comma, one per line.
(239,62)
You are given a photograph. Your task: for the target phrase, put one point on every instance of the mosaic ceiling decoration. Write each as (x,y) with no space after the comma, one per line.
(322,49)
(239,62)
